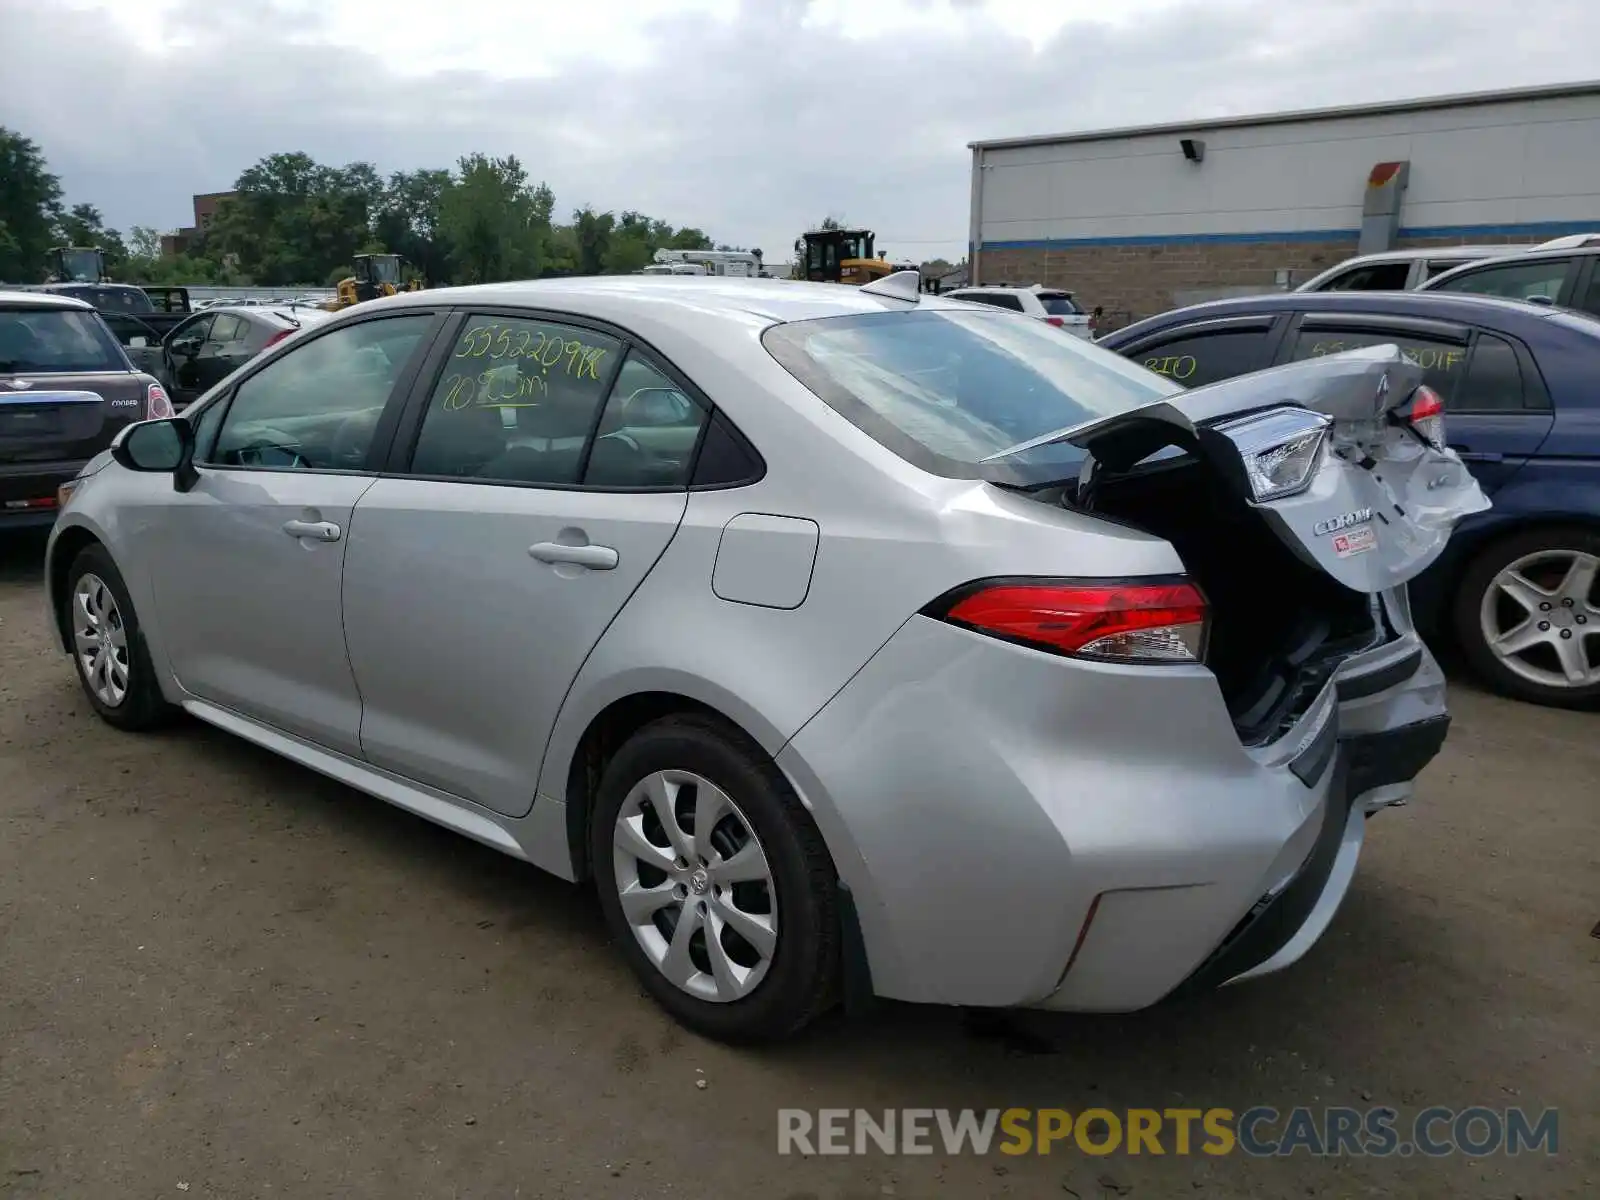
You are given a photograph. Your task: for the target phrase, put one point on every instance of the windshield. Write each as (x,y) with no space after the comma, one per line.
(386,269)
(947,389)
(45,340)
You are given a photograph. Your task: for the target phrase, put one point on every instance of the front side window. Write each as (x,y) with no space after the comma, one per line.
(1443,363)
(56,340)
(517,402)
(317,406)
(947,389)
(1519,281)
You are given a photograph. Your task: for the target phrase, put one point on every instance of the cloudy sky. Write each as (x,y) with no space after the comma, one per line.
(750,118)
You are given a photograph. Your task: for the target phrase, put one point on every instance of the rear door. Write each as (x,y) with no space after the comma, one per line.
(545,473)
(226,348)
(1497,414)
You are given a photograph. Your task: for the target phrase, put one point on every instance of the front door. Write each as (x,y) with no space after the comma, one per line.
(476,586)
(247,565)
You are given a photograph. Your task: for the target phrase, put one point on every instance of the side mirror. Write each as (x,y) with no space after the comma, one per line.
(154,446)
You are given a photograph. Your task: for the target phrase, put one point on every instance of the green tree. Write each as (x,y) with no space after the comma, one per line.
(408,220)
(492,222)
(30,202)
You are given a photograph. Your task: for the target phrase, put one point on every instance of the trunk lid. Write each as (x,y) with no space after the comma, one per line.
(1378,501)
(63,418)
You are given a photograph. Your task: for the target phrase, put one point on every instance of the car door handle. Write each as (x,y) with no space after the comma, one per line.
(320,531)
(596,558)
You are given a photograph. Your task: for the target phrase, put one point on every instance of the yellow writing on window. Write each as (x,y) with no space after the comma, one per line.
(494,388)
(1429,358)
(1173,366)
(549,351)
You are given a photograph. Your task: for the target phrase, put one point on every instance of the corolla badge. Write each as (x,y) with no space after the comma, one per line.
(1342,521)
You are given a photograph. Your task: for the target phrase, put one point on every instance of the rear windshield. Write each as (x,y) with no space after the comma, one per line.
(1058,304)
(947,389)
(56,340)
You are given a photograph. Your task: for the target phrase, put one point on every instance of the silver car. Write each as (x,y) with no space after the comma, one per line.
(853,641)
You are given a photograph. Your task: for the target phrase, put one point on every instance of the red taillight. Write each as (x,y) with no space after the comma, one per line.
(276,338)
(1136,621)
(1424,412)
(1058,322)
(156,403)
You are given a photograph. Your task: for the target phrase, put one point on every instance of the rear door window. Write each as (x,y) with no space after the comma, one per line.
(1373,277)
(1514,281)
(518,401)
(1443,362)
(1201,357)
(1590,300)
(56,340)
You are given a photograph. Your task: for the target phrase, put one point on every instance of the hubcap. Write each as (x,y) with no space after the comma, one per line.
(1541,618)
(100,641)
(695,885)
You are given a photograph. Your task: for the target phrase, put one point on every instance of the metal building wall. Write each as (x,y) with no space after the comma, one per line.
(1131,218)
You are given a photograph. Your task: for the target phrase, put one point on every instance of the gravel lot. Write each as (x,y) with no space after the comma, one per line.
(224,976)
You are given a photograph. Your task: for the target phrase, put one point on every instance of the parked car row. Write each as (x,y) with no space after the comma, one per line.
(752,600)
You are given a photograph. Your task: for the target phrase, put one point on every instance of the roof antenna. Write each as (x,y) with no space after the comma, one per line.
(900,285)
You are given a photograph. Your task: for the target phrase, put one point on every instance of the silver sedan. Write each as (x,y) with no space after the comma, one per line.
(851,640)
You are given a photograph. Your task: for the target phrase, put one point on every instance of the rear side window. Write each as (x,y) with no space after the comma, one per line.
(1059,304)
(1516,281)
(1203,358)
(48,340)
(1443,363)
(1374,277)
(1493,381)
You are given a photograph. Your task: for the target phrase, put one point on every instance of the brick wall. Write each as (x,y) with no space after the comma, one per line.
(1131,282)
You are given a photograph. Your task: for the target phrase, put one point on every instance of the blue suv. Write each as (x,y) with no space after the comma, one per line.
(1516,589)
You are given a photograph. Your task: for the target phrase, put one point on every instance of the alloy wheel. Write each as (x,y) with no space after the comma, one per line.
(695,885)
(100,640)
(1541,619)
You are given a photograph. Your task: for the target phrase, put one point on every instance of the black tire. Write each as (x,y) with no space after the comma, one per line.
(1475,583)
(142,706)
(802,980)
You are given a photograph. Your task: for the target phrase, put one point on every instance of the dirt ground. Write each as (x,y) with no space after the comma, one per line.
(224,976)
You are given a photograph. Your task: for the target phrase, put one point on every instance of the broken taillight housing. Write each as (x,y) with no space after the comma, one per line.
(1423,413)
(1281,450)
(1131,621)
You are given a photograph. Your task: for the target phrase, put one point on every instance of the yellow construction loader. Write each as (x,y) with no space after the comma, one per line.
(375,275)
(842,256)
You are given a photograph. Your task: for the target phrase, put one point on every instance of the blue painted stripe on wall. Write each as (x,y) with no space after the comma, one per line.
(1535,229)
